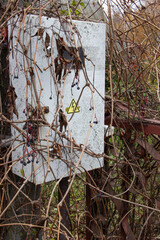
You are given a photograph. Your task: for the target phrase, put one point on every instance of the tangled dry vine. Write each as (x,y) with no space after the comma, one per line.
(119,200)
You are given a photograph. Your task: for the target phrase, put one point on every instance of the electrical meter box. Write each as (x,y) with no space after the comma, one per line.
(59,97)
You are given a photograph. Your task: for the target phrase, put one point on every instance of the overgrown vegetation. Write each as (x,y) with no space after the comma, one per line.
(122,199)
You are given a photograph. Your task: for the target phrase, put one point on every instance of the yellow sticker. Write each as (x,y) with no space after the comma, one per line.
(72,108)
(22,172)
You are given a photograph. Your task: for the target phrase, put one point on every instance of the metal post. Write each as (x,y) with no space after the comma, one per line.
(88,208)
(64,210)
